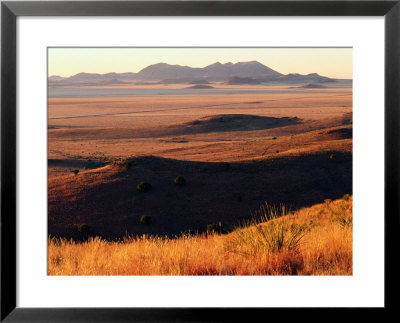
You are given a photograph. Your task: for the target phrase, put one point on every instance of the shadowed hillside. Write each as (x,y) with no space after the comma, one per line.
(235,122)
(107,200)
(209,124)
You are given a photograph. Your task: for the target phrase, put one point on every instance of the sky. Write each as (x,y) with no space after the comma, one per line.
(331,62)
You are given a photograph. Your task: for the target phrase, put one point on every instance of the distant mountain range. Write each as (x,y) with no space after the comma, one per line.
(251,72)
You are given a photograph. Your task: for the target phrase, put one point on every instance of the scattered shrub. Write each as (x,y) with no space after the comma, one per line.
(346,197)
(76,171)
(266,234)
(83,227)
(274,138)
(145,219)
(126,164)
(215,228)
(179,180)
(344,221)
(278,236)
(327,201)
(144,187)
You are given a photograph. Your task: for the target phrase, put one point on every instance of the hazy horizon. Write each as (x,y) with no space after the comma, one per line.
(330,62)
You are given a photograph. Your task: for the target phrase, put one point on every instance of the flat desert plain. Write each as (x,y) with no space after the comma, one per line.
(238,147)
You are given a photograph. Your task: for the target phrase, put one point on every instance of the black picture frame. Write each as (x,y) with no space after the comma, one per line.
(10,10)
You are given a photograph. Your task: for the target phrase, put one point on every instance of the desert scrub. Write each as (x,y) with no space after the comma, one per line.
(83,228)
(267,238)
(343,220)
(267,233)
(145,219)
(144,187)
(346,197)
(126,164)
(266,213)
(179,181)
(214,228)
(75,171)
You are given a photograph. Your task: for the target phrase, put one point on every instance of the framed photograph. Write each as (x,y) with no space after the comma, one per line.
(198,160)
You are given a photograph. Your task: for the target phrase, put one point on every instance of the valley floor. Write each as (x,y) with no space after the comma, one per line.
(236,153)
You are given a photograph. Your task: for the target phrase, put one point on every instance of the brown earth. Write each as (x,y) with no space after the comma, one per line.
(236,152)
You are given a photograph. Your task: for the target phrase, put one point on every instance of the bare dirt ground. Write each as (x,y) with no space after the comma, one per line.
(235,151)
(126,127)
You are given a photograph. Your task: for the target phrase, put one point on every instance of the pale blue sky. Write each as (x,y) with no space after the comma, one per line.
(331,62)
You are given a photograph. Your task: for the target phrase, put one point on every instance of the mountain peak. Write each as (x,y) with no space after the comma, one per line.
(249,63)
(158,64)
(215,64)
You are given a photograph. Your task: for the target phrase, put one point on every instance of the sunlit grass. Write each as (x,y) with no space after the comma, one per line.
(311,241)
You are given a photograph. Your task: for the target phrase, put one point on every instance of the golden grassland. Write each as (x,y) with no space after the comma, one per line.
(312,241)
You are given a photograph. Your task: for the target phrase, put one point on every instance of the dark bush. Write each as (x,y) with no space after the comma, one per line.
(145,219)
(76,171)
(346,197)
(179,180)
(83,227)
(144,187)
(214,228)
(126,164)
(274,138)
